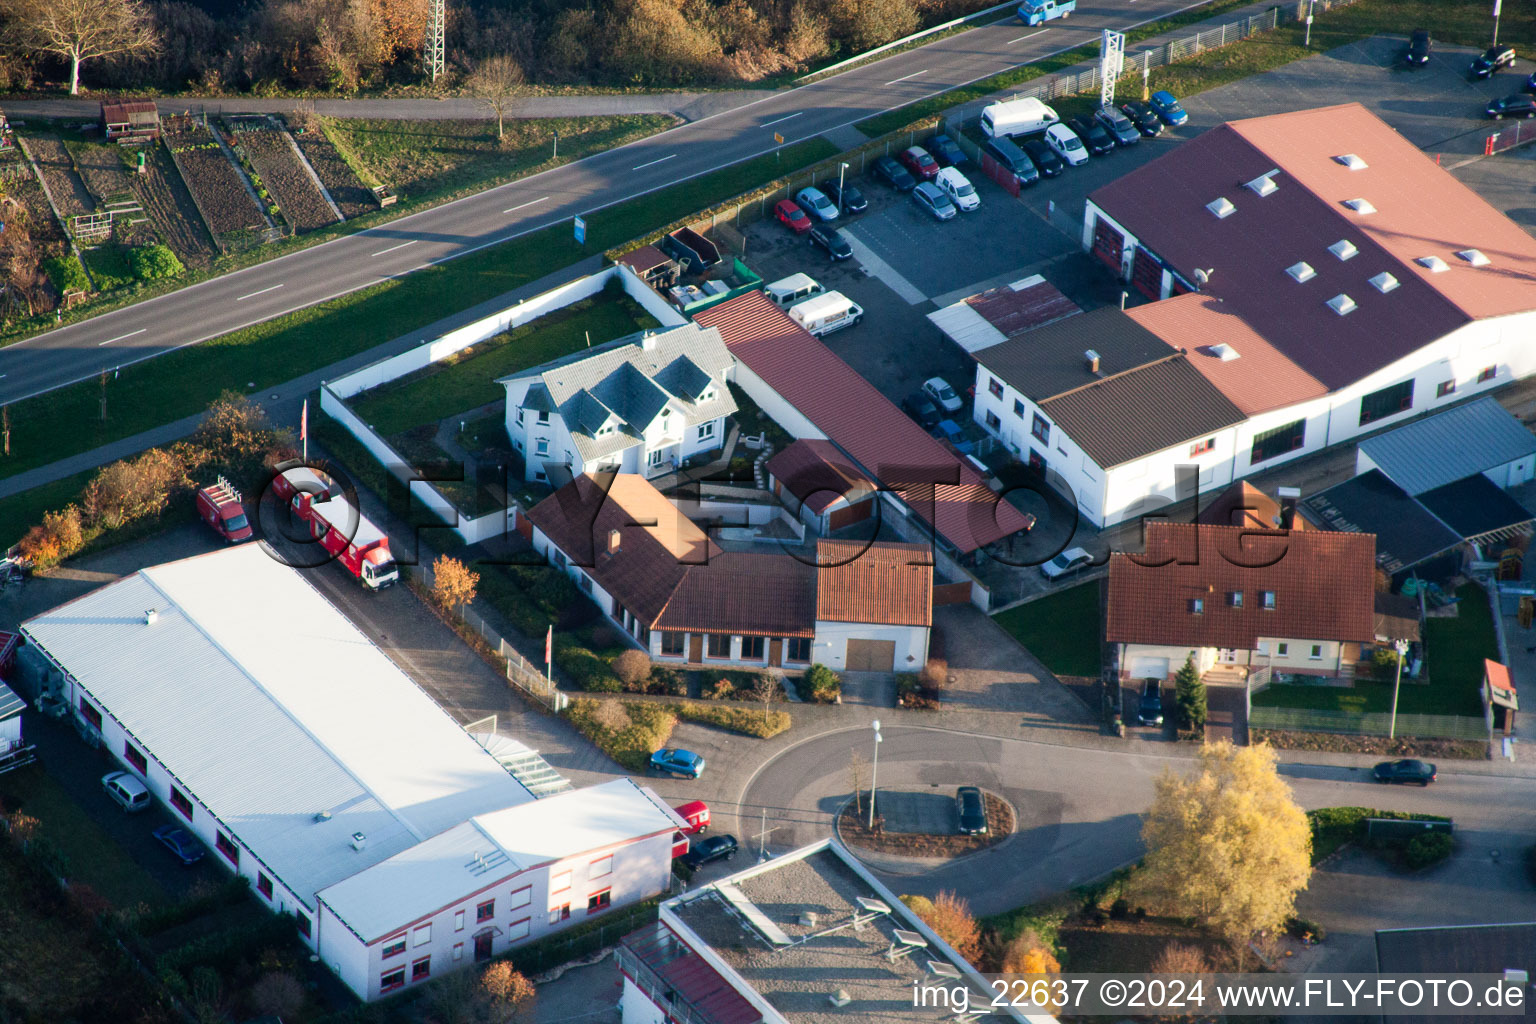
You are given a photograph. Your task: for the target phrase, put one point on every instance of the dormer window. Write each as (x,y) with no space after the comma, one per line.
(1235,598)
(1197,606)
(1267,600)
(707,395)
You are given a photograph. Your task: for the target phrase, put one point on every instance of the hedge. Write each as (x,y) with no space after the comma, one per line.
(650,726)
(745,720)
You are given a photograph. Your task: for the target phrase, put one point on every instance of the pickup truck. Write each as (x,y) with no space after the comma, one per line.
(1034,12)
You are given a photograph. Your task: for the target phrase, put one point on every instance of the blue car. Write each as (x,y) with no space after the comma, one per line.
(181,844)
(676,761)
(948,152)
(1168,108)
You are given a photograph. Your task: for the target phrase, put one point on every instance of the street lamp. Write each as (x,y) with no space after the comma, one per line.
(1497,4)
(840,169)
(1401,646)
(874,773)
(1310,4)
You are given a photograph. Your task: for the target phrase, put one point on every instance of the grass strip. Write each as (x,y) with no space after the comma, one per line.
(1332,827)
(1061,630)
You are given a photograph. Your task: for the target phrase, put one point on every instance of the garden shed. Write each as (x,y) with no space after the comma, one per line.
(128,122)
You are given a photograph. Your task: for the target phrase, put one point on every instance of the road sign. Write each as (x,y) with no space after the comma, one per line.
(581,230)
(778,139)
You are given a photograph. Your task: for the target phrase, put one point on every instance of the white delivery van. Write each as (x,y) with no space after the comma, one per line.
(792,290)
(1017,117)
(828,312)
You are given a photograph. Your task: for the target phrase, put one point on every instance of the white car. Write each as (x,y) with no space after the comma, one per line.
(1066,563)
(1066,144)
(814,201)
(930,197)
(938,389)
(959,188)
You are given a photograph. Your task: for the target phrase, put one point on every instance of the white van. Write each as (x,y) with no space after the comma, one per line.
(828,312)
(959,189)
(126,791)
(795,288)
(1017,117)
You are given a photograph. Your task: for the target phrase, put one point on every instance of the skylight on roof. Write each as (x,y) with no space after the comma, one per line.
(1342,304)
(1474,257)
(1360,205)
(1226,353)
(1222,207)
(1384,282)
(1433,264)
(1264,184)
(1301,271)
(1352,161)
(1344,249)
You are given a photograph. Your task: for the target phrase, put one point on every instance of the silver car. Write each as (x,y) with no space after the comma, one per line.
(931,198)
(1066,563)
(815,202)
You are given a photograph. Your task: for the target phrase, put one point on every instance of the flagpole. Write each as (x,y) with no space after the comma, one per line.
(304,428)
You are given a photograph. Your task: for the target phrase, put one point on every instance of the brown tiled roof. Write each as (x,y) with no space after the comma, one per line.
(1324,586)
(890,584)
(1243,504)
(745,594)
(1049,360)
(1016,310)
(647,257)
(1397,617)
(1259,379)
(117,111)
(884,442)
(816,473)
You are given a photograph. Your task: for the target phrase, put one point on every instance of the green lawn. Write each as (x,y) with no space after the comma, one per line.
(1062,630)
(20,512)
(108,265)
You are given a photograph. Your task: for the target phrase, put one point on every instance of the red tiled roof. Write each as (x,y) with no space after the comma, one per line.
(745,594)
(890,584)
(962,510)
(1015,311)
(816,473)
(1498,675)
(1323,582)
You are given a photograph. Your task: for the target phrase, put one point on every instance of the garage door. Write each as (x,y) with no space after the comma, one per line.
(850,514)
(871,655)
(1149,668)
(1147,274)
(1108,244)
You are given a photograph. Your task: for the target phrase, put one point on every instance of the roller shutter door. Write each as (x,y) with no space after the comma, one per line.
(871,655)
(1108,244)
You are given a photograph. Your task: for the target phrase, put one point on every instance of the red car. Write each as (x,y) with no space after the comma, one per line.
(791,216)
(696,814)
(919,162)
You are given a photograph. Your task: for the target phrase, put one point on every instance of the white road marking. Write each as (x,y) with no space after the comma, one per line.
(120,337)
(653,163)
(262,292)
(905,77)
(786,117)
(524,206)
(392,248)
(884,271)
(1030,36)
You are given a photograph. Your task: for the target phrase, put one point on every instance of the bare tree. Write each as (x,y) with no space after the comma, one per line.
(497,82)
(81,30)
(766,688)
(856,764)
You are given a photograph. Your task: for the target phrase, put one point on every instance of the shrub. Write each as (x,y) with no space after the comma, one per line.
(632,667)
(649,727)
(747,721)
(1178,958)
(278,994)
(1301,928)
(453,583)
(934,675)
(67,274)
(950,917)
(720,689)
(586,670)
(910,693)
(1428,849)
(612,715)
(601,637)
(1384,663)
(819,685)
(1119,910)
(151,262)
(668,681)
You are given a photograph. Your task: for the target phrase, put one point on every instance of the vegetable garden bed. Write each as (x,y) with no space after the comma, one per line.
(280,173)
(214,182)
(166,203)
(347,190)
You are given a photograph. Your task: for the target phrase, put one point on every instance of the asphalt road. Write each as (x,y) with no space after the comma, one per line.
(259,293)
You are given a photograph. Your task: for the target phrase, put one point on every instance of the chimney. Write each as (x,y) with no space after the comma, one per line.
(648,341)
(613,541)
(359,840)
(150,615)
(1288,498)
(1093,361)
(322,816)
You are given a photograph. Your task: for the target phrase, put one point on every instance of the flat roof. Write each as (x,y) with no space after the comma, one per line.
(270,707)
(982,320)
(1406,533)
(1470,438)
(1475,507)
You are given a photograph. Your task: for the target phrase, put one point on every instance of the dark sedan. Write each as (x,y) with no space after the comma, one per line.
(1518,105)
(845,196)
(1418,49)
(922,409)
(893,174)
(945,150)
(972,809)
(1406,770)
(832,240)
(1143,117)
(181,843)
(1491,60)
(1094,135)
(712,849)
(1151,710)
(1044,157)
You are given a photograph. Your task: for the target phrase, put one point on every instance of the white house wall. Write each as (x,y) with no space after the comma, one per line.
(830,647)
(774,404)
(346,955)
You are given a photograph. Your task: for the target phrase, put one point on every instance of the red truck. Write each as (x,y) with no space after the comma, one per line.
(360,546)
(219,505)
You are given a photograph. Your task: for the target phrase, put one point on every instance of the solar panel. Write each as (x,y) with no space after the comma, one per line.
(755,917)
(907,938)
(943,970)
(874,906)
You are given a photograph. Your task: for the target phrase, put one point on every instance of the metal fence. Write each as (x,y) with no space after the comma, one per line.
(1446,727)
(1514,135)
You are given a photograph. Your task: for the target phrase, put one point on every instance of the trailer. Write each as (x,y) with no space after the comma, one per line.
(14,751)
(221,507)
(692,250)
(129,122)
(342,530)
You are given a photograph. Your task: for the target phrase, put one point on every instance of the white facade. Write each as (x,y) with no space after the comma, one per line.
(911,643)
(1295,657)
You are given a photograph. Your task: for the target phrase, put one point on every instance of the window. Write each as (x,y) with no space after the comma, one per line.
(541,446)
(707,396)
(421,969)
(264,884)
(1447,387)
(303,923)
(1201,447)
(673,643)
(543,417)
(458,920)
(423,935)
(1282,649)
(485,911)
(392,980)
(560,882)
(560,913)
(1018,408)
(518,445)
(706,430)
(226,846)
(135,758)
(1317,652)
(558,557)
(521,898)
(1197,606)
(585,582)
(995,386)
(599,901)
(1235,598)
(992,420)
(89,712)
(719,645)
(458,951)
(1488,373)
(1041,429)
(600,867)
(752,648)
(1267,600)
(519,929)
(797,648)
(181,803)
(1378,405)
(1278,441)
(394,947)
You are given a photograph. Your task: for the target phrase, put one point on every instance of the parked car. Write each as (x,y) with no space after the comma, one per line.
(1044,157)
(938,389)
(1530,82)
(126,790)
(930,197)
(1491,60)
(1066,144)
(972,809)
(1519,105)
(1167,108)
(1066,563)
(1094,135)
(1143,117)
(847,198)
(833,240)
(696,814)
(946,151)
(677,761)
(1151,710)
(815,202)
(920,162)
(183,846)
(791,216)
(1419,45)
(1406,770)
(712,849)
(959,189)
(1118,125)
(922,409)
(1008,153)
(893,174)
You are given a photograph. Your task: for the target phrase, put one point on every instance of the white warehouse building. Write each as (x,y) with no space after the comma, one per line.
(309,763)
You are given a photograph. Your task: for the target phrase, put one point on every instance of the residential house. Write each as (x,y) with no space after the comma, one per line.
(1500,950)
(819,484)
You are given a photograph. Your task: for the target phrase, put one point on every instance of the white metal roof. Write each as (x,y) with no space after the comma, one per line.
(1448,446)
(966,327)
(270,707)
(494,846)
(10,704)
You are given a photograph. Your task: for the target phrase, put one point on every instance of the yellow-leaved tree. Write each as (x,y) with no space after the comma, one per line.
(1226,844)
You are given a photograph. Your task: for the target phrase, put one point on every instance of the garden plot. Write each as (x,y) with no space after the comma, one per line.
(214,182)
(347,190)
(112,170)
(69,192)
(279,173)
(31,239)
(111,185)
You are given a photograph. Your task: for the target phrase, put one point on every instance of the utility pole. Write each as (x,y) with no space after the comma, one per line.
(437,28)
(874,773)
(5,426)
(1497,5)
(103,396)
(762,838)
(1313,3)
(1401,647)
